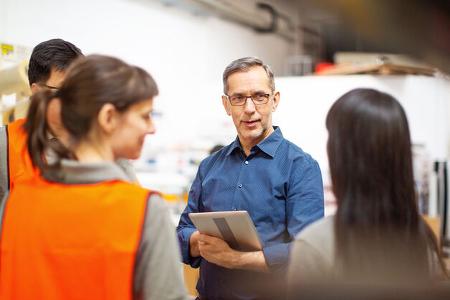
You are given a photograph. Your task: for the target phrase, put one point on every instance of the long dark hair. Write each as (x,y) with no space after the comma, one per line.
(378,231)
(90,83)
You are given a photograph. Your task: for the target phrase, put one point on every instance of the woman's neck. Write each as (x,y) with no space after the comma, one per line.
(93,152)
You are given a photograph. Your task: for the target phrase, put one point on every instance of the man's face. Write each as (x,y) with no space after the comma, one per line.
(53,83)
(253,122)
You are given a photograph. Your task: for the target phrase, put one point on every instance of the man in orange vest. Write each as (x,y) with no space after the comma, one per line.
(48,63)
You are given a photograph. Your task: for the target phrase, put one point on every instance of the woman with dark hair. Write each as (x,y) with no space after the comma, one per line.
(83,230)
(377,235)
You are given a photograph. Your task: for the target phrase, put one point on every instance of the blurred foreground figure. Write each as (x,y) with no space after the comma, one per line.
(377,242)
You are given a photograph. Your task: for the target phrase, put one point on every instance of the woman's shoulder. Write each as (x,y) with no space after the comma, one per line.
(312,254)
(319,236)
(320,229)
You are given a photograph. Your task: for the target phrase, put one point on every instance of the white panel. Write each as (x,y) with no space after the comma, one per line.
(185,53)
(305,102)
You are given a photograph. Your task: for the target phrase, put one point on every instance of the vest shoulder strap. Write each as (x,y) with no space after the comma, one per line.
(4,162)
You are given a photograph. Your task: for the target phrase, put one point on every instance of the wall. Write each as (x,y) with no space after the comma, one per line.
(185,53)
(305,102)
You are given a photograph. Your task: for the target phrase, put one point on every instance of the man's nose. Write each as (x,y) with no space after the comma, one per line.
(249,106)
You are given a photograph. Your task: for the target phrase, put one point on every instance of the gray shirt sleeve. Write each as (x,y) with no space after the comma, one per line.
(159,271)
(306,264)
(312,254)
(4,180)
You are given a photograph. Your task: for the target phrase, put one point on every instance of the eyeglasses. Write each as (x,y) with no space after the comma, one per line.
(258,99)
(53,88)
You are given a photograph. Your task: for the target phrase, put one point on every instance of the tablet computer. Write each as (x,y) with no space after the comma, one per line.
(234,227)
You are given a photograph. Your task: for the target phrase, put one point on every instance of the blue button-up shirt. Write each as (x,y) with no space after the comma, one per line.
(281,188)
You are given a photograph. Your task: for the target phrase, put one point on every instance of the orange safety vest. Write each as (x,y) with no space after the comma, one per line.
(20,167)
(71,241)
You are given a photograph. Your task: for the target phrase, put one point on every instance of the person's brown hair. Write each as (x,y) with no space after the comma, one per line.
(90,83)
(379,232)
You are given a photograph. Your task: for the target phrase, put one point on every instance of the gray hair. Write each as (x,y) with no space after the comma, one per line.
(243,65)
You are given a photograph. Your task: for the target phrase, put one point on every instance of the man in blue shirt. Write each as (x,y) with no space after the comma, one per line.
(261,172)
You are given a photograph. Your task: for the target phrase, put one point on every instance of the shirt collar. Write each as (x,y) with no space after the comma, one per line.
(269,145)
(74,172)
(234,146)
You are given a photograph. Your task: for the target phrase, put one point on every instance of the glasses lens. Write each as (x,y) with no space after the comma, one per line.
(237,100)
(260,98)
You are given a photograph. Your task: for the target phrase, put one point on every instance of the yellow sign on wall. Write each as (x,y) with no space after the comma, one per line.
(7,49)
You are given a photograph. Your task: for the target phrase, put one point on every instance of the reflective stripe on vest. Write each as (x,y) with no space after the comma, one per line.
(71,241)
(20,165)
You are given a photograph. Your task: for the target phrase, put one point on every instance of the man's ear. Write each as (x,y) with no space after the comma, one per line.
(108,118)
(226,105)
(35,88)
(55,123)
(276,100)
(54,114)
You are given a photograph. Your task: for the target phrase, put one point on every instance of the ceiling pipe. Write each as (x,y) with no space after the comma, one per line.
(274,18)
(266,19)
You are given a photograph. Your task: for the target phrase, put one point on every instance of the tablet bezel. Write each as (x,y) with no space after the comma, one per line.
(243,237)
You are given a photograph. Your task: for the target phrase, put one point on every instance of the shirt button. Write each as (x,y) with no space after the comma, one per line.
(239,185)
(246,162)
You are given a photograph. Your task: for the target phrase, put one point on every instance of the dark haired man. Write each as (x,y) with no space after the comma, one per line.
(48,63)
(261,172)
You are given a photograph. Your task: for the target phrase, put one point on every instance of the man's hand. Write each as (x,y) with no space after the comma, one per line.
(218,252)
(193,244)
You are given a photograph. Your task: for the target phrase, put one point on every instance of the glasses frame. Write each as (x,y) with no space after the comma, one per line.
(251,97)
(53,88)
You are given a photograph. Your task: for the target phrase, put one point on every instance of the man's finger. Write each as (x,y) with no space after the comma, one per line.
(211,239)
